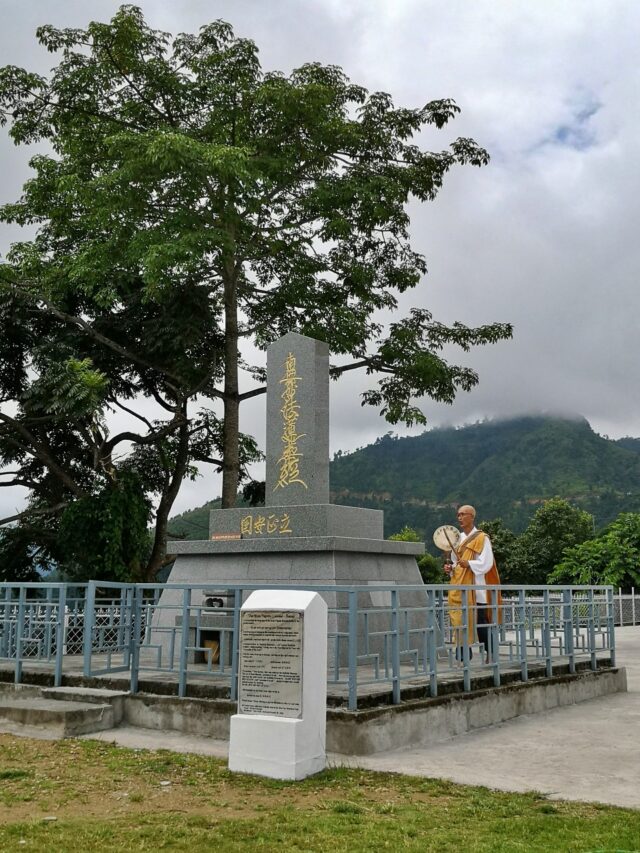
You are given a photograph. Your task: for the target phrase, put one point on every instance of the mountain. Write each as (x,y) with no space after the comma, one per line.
(504,468)
(193,523)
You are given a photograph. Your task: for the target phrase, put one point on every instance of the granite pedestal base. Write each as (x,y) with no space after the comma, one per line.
(301,562)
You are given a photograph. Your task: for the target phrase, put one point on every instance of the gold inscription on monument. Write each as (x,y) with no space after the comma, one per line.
(289,462)
(260,524)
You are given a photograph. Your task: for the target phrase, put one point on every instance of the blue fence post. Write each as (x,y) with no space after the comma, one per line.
(567,618)
(5,634)
(522,634)
(546,633)
(611,624)
(135,637)
(126,620)
(120,642)
(49,635)
(432,642)
(592,631)
(235,645)
(19,632)
(395,647)
(88,624)
(495,638)
(353,650)
(60,626)
(466,641)
(184,642)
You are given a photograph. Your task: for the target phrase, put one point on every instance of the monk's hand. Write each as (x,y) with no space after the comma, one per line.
(464,564)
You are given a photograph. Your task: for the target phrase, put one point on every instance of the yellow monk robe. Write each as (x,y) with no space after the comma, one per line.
(470,550)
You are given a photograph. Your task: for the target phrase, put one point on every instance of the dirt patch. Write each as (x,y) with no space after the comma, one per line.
(94,779)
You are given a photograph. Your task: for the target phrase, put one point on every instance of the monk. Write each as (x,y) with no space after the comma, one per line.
(472,562)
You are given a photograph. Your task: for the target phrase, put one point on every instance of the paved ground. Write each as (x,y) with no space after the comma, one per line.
(589,751)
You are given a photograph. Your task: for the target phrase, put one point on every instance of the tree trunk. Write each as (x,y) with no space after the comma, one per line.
(158,557)
(231,426)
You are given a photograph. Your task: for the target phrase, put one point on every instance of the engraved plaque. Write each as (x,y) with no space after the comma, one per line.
(270,680)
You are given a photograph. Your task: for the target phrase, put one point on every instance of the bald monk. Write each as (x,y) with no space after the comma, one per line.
(471,563)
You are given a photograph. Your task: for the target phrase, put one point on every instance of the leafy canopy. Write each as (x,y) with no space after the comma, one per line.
(192,204)
(613,557)
(555,527)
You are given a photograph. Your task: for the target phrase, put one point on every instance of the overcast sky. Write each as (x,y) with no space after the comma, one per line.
(545,237)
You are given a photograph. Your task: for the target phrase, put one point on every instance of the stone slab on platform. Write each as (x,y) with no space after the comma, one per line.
(89,696)
(214,569)
(301,544)
(56,717)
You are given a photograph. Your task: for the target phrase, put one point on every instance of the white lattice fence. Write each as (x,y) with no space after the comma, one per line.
(627,608)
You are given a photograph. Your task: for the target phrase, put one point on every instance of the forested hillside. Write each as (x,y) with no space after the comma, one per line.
(505,468)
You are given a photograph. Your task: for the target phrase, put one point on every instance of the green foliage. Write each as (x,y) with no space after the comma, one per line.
(105,536)
(611,558)
(72,388)
(17,564)
(407,534)
(555,527)
(430,567)
(503,543)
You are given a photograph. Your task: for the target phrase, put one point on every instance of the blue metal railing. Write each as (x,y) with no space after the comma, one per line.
(188,634)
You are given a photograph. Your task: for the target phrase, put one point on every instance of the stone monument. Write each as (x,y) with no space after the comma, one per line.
(298,537)
(280,728)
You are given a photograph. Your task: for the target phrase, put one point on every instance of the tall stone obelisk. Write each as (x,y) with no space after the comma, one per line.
(298,537)
(297,422)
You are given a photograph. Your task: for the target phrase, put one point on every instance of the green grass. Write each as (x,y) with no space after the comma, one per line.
(107,798)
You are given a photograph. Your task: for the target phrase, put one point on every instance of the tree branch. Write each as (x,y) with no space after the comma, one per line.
(98,336)
(29,512)
(167,429)
(144,100)
(38,450)
(131,412)
(249,394)
(338,371)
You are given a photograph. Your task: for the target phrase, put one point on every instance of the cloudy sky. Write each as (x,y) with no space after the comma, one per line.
(545,237)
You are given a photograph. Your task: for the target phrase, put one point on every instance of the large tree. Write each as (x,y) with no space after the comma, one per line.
(613,557)
(555,527)
(192,203)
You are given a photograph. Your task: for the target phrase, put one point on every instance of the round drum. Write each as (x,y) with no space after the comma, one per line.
(447,537)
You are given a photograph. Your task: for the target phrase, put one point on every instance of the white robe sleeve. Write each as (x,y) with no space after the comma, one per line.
(481,565)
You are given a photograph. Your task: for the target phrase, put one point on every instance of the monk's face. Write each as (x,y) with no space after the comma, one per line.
(465,519)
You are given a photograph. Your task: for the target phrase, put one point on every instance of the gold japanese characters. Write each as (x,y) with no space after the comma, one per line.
(289,461)
(260,525)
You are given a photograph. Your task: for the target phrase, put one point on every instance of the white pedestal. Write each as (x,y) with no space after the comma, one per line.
(287,742)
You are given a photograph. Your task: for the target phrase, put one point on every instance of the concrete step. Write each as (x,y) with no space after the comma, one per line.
(54,717)
(90,696)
